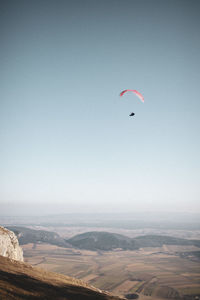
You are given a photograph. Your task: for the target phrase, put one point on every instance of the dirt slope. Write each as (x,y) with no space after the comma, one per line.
(20,281)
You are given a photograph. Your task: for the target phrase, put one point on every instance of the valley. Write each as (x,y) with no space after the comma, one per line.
(156,272)
(154,260)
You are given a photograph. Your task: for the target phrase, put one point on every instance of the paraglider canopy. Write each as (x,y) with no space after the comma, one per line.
(135,92)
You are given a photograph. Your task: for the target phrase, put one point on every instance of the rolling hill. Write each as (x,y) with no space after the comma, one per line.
(97,240)
(109,241)
(102,241)
(26,235)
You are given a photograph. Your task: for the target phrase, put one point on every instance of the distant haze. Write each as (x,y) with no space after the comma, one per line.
(67,141)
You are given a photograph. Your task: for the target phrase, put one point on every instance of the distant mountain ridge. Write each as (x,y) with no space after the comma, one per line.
(26,235)
(98,240)
(106,241)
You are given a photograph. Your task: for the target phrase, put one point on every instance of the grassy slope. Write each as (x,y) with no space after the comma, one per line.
(21,281)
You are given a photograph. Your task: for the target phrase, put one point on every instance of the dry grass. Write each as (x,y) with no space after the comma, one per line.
(20,281)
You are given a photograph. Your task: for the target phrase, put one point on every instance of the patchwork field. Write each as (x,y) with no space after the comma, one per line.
(155,272)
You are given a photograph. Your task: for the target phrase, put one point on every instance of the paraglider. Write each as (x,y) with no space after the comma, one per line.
(134,91)
(137,94)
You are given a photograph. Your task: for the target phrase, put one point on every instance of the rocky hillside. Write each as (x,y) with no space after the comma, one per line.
(19,281)
(9,245)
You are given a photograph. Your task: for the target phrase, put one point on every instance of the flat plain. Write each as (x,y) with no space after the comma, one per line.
(150,272)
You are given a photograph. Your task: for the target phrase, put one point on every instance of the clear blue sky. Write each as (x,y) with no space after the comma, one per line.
(66,136)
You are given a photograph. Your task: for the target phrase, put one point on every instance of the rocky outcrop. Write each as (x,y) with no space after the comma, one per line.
(9,245)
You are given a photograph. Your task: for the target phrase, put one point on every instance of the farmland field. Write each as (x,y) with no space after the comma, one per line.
(156,272)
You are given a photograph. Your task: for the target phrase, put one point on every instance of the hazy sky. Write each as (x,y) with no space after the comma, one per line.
(66,136)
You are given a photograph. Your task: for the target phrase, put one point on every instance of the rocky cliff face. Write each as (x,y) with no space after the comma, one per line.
(9,245)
